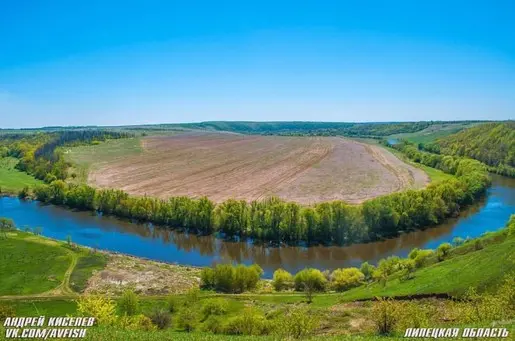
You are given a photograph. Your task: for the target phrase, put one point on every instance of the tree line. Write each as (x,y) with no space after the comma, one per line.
(490,143)
(40,155)
(276,221)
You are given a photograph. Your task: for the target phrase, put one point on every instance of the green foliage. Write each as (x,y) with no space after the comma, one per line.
(345,279)
(173,304)
(297,323)
(511,225)
(129,303)
(215,306)
(367,270)
(443,251)
(102,308)
(187,319)
(230,278)
(490,143)
(135,322)
(422,257)
(160,318)
(249,322)
(282,280)
(385,316)
(310,280)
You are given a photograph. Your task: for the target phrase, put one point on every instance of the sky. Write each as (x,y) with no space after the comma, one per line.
(134,62)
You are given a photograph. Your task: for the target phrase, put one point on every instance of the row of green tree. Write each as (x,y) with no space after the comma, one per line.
(40,153)
(273,220)
(490,143)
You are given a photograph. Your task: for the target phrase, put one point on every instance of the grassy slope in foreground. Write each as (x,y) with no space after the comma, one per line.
(34,265)
(482,269)
(13,180)
(30,265)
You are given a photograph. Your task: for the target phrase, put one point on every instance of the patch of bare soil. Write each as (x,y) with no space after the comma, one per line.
(145,277)
(222,166)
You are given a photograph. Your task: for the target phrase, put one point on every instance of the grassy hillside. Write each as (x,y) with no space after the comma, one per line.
(13,180)
(336,316)
(434,131)
(30,265)
(490,143)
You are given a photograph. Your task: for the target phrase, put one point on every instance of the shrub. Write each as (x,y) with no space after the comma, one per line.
(422,257)
(367,270)
(229,278)
(173,303)
(282,280)
(102,308)
(312,278)
(187,319)
(216,306)
(389,265)
(161,318)
(385,316)
(511,225)
(192,297)
(408,267)
(250,322)
(413,253)
(24,193)
(457,241)
(129,303)
(345,279)
(214,324)
(136,322)
(299,323)
(443,251)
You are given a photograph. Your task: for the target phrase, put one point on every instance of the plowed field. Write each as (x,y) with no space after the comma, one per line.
(222,166)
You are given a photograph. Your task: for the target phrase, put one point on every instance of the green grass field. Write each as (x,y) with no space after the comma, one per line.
(11,179)
(30,265)
(434,132)
(86,265)
(85,158)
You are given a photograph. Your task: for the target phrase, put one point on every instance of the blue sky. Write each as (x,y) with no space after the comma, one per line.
(132,62)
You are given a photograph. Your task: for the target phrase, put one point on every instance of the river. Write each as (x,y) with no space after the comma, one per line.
(109,233)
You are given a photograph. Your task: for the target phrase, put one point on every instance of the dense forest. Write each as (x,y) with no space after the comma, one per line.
(490,143)
(275,221)
(371,130)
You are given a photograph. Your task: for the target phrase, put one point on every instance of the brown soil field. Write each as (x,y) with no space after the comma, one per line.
(221,166)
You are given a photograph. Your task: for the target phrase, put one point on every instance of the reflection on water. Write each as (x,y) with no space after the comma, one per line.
(163,244)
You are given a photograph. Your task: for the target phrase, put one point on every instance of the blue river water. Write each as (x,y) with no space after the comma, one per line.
(163,244)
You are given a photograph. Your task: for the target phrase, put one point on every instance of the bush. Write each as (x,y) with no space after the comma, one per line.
(408,267)
(215,306)
(422,257)
(282,280)
(192,297)
(231,279)
(136,322)
(214,324)
(187,319)
(173,304)
(385,316)
(250,322)
(389,265)
(161,318)
(367,270)
(457,241)
(311,278)
(345,279)
(299,323)
(443,251)
(129,303)
(102,308)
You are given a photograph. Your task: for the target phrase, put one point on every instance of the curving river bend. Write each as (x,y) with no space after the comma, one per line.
(108,233)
